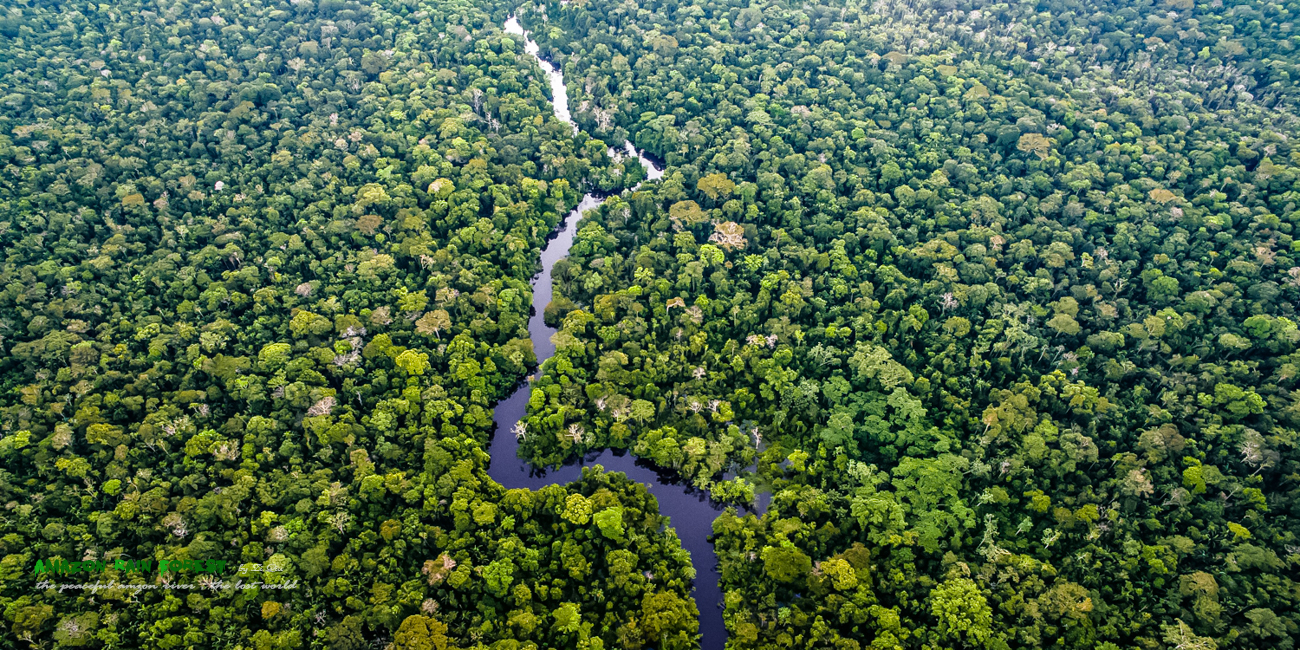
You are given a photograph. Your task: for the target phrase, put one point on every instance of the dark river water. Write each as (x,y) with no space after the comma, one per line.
(690,512)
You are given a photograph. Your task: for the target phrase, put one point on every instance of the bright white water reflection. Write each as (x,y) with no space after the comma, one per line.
(560,95)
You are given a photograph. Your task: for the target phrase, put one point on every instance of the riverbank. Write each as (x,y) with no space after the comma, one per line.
(690,511)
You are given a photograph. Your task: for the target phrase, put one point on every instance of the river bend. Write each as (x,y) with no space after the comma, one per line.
(690,512)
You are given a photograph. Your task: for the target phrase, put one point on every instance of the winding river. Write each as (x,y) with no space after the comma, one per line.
(690,511)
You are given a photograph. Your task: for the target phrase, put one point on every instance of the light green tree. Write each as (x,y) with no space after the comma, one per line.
(577,509)
(412,362)
(610,523)
(962,610)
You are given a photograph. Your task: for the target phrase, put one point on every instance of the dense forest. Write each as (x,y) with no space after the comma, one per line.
(265,273)
(995,300)
(1000,296)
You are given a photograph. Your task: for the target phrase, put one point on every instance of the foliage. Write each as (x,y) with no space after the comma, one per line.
(1015,310)
(266,269)
(996,300)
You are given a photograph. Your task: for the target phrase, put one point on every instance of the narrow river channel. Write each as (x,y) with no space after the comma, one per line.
(690,512)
